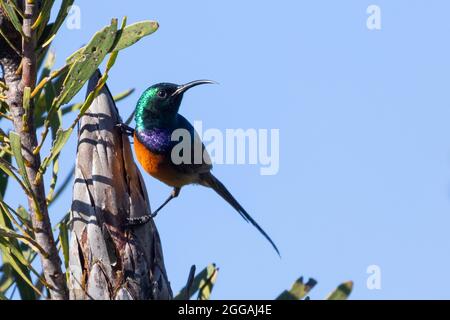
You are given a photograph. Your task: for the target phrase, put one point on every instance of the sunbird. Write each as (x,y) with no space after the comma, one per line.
(157,118)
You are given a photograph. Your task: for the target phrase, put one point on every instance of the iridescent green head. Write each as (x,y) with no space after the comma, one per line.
(158,106)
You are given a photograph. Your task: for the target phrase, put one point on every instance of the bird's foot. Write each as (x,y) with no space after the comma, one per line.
(138,221)
(127,130)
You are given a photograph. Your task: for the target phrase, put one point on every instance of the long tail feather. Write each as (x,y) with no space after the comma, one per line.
(209,180)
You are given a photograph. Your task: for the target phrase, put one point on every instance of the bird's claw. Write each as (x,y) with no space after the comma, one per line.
(127,130)
(138,221)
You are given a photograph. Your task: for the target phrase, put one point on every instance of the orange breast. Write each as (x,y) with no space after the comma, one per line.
(159,166)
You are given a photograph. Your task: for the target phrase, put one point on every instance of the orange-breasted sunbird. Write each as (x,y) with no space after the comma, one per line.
(157,118)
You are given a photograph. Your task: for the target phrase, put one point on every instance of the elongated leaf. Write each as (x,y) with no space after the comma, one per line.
(130,117)
(122,95)
(16,148)
(7,279)
(205,274)
(62,136)
(135,32)
(63,185)
(76,106)
(207,284)
(298,291)
(58,83)
(342,292)
(64,241)
(55,125)
(6,209)
(21,255)
(71,108)
(45,99)
(89,60)
(24,216)
(45,12)
(62,14)
(54,179)
(19,272)
(48,66)
(13,257)
(8,7)
(90,98)
(9,233)
(126,37)
(54,27)
(7,168)
(4,177)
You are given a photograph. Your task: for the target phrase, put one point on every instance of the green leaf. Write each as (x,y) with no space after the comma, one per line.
(66,182)
(207,284)
(133,33)
(7,168)
(45,12)
(24,216)
(45,99)
(2,296)
(64,240)
(122,95)
(9,233)
(47,96)
(62,14)
(17,261)
(130,117)
(90,98)
(54,179)
(76,106)
(62,136)
(71,108)
(4,177)
(8,7)
(16,148)
(48,65)
(125,38)
(55,125)
(342,292)
(54,27)
(58,83)
(199,282)
(298,291)
(7,279)
(18,271)
(87,63)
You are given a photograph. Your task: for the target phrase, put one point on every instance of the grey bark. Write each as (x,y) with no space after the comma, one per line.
(109,260)
(24,126)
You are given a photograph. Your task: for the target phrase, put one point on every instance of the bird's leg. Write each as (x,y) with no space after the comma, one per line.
(144,219)
(175,192)
(125,129)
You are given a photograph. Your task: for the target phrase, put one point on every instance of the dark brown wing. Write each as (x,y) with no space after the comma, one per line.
(197,159)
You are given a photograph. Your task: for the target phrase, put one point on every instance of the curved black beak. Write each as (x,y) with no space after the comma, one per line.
(184,87)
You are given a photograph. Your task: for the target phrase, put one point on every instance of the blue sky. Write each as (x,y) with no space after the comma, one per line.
(363,115)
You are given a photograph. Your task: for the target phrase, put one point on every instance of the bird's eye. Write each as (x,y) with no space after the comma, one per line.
(162,94)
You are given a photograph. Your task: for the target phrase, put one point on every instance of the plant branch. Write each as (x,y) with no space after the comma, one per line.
(24,126)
